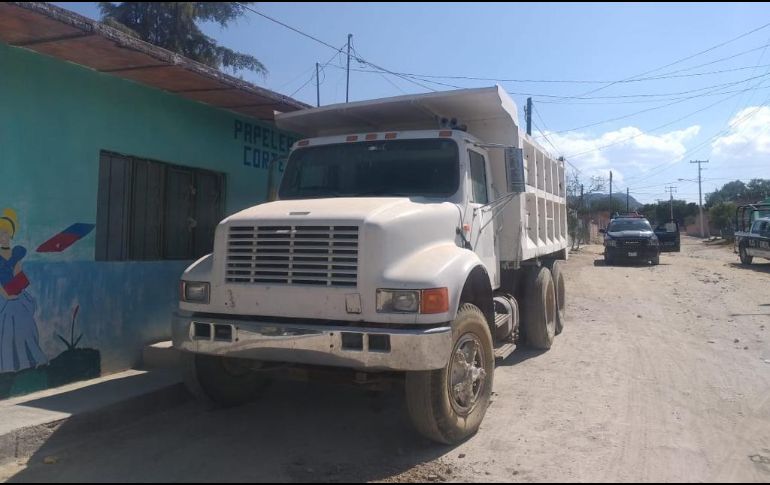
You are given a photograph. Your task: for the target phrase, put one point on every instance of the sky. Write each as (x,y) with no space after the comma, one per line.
(636,89)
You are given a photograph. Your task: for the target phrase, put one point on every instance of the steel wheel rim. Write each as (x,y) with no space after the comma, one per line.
(466,376)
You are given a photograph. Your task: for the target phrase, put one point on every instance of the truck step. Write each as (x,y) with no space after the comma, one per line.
(503,351)
(501,319)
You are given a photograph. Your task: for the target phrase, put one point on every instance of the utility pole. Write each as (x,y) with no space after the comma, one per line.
(611,204)
(700,194)
(317,87)
(581,216)
(528,114)
(347,85)
(671,189)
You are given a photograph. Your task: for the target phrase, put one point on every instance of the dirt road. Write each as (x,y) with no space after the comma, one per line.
(663,373)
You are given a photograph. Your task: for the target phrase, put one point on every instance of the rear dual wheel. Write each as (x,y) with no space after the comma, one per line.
(561,294)
(540,309)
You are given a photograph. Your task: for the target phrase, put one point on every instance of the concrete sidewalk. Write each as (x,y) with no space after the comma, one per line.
(29,421)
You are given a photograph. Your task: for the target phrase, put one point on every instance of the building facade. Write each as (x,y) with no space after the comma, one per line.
(109,188)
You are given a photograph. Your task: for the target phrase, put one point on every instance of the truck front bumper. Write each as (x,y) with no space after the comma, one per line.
(337,346)
(632,254)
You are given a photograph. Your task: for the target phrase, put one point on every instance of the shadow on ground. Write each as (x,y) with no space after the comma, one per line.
(758,267)
(298,432)
(519,356)
(628,264)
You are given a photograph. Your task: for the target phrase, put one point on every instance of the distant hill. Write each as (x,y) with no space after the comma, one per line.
(620,200)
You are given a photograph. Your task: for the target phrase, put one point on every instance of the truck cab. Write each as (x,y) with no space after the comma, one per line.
(403,249)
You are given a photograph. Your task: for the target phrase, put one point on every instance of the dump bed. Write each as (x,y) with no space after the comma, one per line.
(531,223)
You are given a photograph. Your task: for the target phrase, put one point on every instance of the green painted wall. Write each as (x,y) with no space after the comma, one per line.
(55,118)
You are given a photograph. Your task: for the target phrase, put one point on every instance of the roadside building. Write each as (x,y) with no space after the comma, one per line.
(117,160)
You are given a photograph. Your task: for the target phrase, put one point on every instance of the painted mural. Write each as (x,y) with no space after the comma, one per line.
(24,367)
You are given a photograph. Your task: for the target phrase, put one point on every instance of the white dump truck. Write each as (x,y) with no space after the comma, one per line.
(418,237)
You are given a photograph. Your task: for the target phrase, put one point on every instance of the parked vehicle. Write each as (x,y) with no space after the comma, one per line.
(403,242)
(630,238)
(669,237)
(752,232)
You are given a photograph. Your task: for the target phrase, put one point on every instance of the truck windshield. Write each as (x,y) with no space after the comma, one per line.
(425,167)
(630,225)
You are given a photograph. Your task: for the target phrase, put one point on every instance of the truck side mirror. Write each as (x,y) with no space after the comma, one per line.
(272,188)
(514,168)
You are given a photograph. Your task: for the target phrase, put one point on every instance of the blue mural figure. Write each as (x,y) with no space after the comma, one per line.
(19,338)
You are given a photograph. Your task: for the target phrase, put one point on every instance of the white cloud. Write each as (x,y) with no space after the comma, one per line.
(748,138)
(628,150)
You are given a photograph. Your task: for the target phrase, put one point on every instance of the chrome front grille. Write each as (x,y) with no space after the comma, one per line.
(293,255)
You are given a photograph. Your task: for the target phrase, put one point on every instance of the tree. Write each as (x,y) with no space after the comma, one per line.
(721,216)
(576,207)
(173,26)
(758,189)
(731,191)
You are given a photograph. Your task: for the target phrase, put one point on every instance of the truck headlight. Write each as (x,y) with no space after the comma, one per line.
(194,291)
(398,301)
(654,242)
(610,243)
(433,300)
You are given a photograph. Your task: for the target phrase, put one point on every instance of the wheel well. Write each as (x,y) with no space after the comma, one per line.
(478,291)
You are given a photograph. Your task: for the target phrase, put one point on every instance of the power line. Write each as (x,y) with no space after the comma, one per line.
(679,61)
(406,78)
(560,97)
(708,94)
(653,129)
(339,50)
(716,61)
(313,76)
(316,39)
(671,75)
(695,149)
(647,110)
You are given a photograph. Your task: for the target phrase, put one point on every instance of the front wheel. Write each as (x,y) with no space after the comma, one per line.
(448,405)
(656,260)
(222,381)
(744,254)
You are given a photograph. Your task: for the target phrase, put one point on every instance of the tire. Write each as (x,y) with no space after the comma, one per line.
(221,381)
(656,260)
(608,261)
(561,294)
(439,413)
(539,319)
(745,258)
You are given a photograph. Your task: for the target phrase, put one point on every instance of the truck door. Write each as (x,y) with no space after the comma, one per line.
(754,240)
(482,236)
(763,242)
